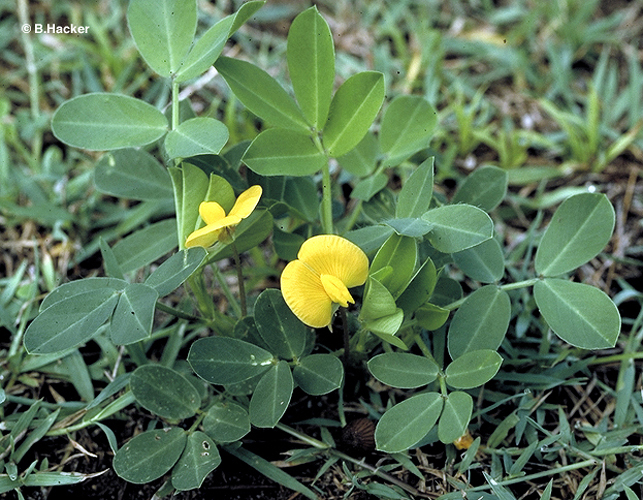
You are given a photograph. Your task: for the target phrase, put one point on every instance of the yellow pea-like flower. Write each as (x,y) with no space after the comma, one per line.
(217,221)
(326,267)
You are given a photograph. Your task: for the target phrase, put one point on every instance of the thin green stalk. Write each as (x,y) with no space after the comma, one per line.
(327,191)
(115,406)
(175,105)
(347,339)
(175,312)
(234,303)
(242,288)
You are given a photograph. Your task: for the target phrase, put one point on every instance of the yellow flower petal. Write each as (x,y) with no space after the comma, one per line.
(336,290)
(204,237)
(336,256)
(246,202)
(211,211)
(305,295)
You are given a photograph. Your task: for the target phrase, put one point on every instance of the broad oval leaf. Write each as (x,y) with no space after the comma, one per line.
(79,287)
(400,253)
(175,270)
(413,228)
(133,317)
(262,94)
(580,228)
(311,64)
(481,322)
(473,369)
(455,417)
(149,455)
(197,136)
(415,196)
(205,51)
(319,374)
(484,188)
(146,245)
(134,174)
(103,121)
(226,422)
(362,159)
(420,288)
(164,392)
(580,314)
(279,328)
(221,360)
(272,395)
(431,317)
(378,301)
(484,262)
(407,125)
(406,423)
(70,322)
(163,31)
(403,370)
(199,458)
(352,111)
(370,238)
(279,151)
(458,227)
(369,187)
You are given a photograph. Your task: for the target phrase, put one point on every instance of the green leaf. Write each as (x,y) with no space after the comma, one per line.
(132,320)
(262,94)
(149,455)
(484,262)
(199,458)
(134,174)
(279,328)
(311,64)
(221,360)
(102,121)
(579,314)
(197,136)
(175,270)
(431,317)
(301,195)
(473,369)
(163,31)
(386,327)
(400,254)
(352,111)
(378,301)
(271,471)
(205,51)
(146,245)
(484,188)
(420,288)
(226,422)
(407,125)
(70,322)
(415,196)
(455,417)
(286,244)
(271,396)
(413,228)
(190,185)
(245,12)
(481,321)
(369,238)
(362,159)
(369,187)
(80,287)
(164,392)
(319,374)
(280,151)
(403,370)
(458,227)
(579,230)
(406,423)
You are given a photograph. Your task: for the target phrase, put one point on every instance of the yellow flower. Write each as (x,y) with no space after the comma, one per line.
(217,221)
(326,267)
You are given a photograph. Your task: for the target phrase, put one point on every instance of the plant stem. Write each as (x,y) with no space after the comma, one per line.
(327,201)
(175,105)
(347,339)
(176,313)
(242,288)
